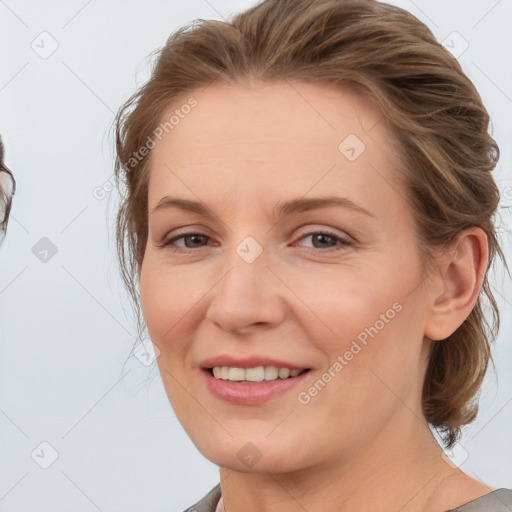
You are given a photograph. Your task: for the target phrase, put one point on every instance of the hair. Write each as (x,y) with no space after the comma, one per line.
(7,190)
(445,154)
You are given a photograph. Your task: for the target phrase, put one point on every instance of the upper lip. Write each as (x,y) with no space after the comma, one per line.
(248,362)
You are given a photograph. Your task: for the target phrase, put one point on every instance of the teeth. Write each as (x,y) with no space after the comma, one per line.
(236,374)
(252,374)
(258,374)
(271,373)
(284,373)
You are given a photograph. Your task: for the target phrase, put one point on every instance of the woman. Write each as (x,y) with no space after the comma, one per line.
(308,215)
(7,189)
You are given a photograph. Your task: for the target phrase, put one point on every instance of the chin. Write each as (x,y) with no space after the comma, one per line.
(246,456)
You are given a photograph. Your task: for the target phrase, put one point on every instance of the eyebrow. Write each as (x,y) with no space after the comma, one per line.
(281,209)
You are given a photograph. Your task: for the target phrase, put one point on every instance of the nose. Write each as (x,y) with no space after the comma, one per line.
(247,296)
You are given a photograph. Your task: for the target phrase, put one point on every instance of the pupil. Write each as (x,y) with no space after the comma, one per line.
(323,237)
(194,238)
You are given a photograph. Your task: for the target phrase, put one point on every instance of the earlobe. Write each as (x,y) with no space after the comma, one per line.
(462,271)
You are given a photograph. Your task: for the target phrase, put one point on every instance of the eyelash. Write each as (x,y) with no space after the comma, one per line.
(344,242)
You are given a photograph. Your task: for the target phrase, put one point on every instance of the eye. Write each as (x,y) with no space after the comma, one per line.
(195,238)
(326,237)
(319,238)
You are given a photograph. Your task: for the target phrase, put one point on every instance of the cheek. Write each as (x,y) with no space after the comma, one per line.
(164,303)
(348,304)
(367,318)
(153,299)
(161,306)
(166,294)
(173,303)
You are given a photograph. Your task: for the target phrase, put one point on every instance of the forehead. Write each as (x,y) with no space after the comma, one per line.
(264,112)
(270,135)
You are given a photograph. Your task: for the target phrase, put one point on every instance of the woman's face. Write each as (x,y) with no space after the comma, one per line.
(257,272)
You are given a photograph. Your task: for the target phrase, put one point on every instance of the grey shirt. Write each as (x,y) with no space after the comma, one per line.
(499,500)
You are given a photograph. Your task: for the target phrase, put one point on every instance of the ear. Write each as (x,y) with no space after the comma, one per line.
(462,271)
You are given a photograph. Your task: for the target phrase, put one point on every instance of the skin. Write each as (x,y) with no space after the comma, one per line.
(362,442)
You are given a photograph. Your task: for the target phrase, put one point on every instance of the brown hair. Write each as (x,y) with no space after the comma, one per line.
(5,194)
(441,126)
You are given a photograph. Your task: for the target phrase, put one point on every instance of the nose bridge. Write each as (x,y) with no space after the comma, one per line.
(246,263)
(246,293)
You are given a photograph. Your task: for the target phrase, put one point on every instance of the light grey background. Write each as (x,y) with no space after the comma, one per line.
(65,318)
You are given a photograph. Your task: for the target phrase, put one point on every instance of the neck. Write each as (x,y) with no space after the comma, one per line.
(400,469)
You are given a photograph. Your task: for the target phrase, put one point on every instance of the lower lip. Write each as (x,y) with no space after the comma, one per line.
(250,393)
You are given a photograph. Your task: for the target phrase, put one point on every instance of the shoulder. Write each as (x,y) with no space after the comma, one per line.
(459,492)
(499,500)
(207,503)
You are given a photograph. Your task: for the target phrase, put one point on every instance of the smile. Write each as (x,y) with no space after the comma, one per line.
(257,374)
(239,389)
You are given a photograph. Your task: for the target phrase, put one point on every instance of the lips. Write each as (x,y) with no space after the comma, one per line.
(249,362)
(250,393)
